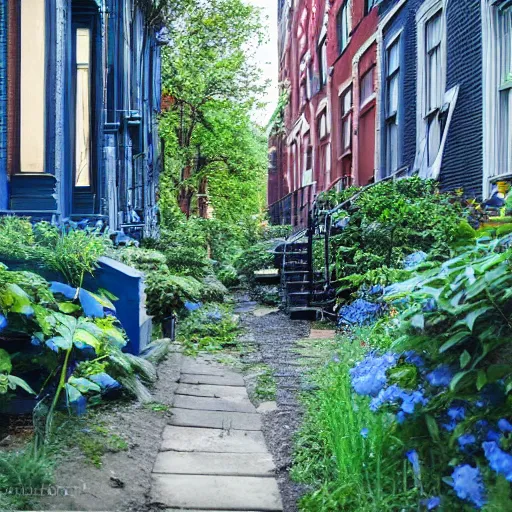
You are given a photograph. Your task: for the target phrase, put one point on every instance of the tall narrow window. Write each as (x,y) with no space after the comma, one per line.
(369,5)
(322,125)
(346,120)
(342,25)
(322,59)
(392,92)
(83,108)
(434,84)
(504,34)
(32,86)
(367,87)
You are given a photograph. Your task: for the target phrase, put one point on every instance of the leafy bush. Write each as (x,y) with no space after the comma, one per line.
(448,378)
(65,341)
(386,223)
(257,257)
(73,253)
(213,290)
(228,276)
(167,293)
(210,327)
(272,232)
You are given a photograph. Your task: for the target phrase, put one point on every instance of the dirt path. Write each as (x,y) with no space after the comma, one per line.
(274,340)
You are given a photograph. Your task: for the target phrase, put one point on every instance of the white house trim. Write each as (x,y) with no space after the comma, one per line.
(428,10)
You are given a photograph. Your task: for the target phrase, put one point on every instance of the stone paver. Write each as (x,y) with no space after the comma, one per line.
(200,463)
(216,419)
(228,392)
(213,455)
(216,380)
(188,439)
(202,403)
(216,492)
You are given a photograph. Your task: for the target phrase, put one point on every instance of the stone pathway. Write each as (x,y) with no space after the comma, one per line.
(213,455)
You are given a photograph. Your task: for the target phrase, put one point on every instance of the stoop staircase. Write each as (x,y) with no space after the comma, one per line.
(303,289)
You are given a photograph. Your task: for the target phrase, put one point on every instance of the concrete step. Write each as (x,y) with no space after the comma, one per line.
(213,440)
(216,492)
(216,419)
(228,464)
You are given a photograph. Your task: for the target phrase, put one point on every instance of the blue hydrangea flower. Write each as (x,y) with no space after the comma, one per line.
(369,376)
(3,322)
(412,357)
(499,461)
(468,484)
(414,459)
(365,432)
(505,426)
(401,417)
(466,440)
(492,435)
(389,395)
(440,377)
(51,345)
(456,412)
(411,399)
(395,395)
(359,312)
(431,503)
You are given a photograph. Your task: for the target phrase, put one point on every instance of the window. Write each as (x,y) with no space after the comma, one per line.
(322,60)
(83,108)
(431,84)
(346,120)
(434,85)
(27,86)
(322,125)
(504,26)
(497,62)
(367,87)
(392,92)
(342,24)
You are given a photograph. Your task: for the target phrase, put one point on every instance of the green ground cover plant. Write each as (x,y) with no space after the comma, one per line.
(210,328)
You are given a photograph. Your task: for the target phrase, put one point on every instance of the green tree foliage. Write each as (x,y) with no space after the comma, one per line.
(212,148)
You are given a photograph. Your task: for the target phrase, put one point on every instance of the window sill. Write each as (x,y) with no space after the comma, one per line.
(367,105)
(32,175)
(346,154)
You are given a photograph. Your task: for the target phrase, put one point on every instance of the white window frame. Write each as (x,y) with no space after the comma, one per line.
(428,11)
(346,116)
(493,85)
(392,118)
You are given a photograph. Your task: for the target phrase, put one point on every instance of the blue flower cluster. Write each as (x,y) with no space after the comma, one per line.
(468,484)
(440,377)
(394,394)
(415,259)
(3,322)
(360,312)
(499,461)
(369,376)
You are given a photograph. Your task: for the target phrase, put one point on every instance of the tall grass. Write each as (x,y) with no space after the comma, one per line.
(350,468)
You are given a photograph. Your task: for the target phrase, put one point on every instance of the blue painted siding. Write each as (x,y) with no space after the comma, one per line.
(124,191)
(463,157)
(3,105)
(463,154)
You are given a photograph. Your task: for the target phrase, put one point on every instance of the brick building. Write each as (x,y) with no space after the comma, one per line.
(378,88)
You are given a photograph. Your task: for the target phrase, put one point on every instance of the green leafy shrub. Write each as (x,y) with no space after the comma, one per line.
(257,257)
(72,253)
(228,276)
(167,293)
(388,222)
(213,290)
(272,232)
(210,327)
